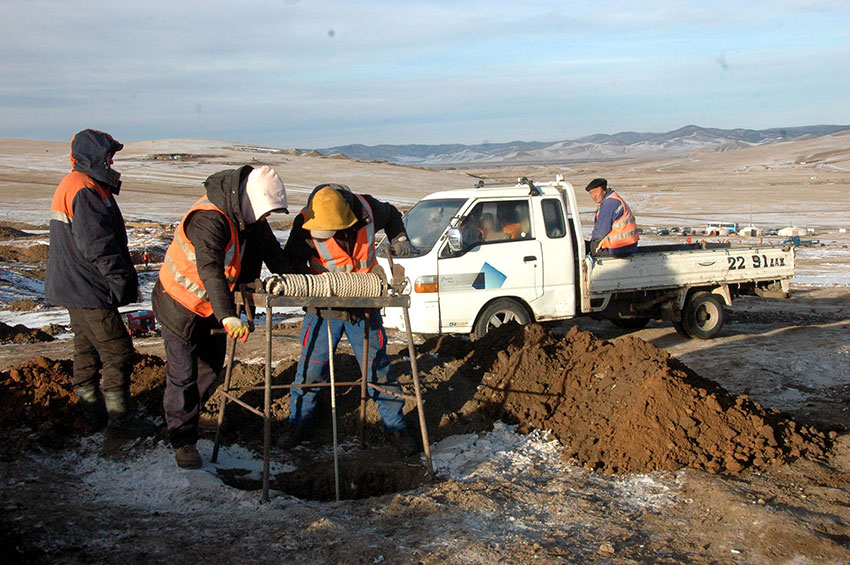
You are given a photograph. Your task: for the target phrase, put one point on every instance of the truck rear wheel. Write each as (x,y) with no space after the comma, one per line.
(498,313)
(703,316)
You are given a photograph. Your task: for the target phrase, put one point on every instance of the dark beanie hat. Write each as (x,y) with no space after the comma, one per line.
(596,183)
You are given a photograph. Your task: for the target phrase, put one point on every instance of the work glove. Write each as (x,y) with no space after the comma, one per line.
(273,284)
(236,328)
(401,246)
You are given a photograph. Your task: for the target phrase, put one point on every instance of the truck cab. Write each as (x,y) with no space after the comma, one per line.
(480,258)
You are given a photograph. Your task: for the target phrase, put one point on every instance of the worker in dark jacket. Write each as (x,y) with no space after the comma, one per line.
(90,272)
(336,233)
(614,230)
(221,242)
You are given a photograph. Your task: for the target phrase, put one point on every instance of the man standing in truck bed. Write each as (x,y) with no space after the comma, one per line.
(615,230)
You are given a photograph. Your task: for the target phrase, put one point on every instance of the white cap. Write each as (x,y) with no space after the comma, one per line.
(264,193)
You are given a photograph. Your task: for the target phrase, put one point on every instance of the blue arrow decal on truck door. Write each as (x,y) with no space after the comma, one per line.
(489,277)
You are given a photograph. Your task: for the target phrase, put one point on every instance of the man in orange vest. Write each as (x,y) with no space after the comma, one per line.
(222,241)
(615,230)
(90,272)
(336,233)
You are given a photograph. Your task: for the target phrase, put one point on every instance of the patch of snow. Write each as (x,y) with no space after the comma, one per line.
(150,479)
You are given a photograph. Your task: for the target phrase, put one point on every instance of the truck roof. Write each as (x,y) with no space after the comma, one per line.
(506,191)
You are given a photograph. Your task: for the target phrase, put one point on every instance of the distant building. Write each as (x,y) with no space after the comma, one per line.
(791,231)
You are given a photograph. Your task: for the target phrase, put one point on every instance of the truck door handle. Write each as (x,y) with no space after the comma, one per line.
(529,258)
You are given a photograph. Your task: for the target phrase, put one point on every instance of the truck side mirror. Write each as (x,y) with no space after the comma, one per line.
(455,239)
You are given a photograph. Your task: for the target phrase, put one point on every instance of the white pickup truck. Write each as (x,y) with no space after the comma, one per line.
(486,256)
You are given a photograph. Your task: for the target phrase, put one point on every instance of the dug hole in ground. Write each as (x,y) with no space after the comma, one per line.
(629,455)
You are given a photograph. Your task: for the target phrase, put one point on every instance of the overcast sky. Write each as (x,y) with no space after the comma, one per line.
(291,73)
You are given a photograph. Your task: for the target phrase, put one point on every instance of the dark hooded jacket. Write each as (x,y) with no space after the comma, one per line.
(386,217)
(89,265)
(209,232)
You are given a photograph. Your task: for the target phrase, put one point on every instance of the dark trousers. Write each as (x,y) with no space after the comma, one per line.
(101,342)
(191,368)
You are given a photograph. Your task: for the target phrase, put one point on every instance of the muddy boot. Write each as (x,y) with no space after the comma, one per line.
(122,423)
(187,457)
(92,407)
(404,443)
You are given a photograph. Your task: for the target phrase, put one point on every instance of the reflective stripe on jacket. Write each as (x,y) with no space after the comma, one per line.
(89,264)
(623,230)
(179,273)
(329,256)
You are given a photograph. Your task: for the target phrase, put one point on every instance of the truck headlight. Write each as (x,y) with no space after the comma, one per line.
(427,283)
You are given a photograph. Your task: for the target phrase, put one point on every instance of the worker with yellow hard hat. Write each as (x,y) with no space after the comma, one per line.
(335,232)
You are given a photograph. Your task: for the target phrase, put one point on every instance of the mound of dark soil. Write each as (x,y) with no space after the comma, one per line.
(38,405)
(31,254)
(8,232)
(628,406)
(22,334)
(22,305)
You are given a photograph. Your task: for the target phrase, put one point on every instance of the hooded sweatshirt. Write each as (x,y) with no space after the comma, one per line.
(89,265)
(209,232)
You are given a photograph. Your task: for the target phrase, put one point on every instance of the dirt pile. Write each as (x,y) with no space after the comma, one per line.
(8,232)
(31,254)
(22,334)
(38,403)
(628,406)
(22,305)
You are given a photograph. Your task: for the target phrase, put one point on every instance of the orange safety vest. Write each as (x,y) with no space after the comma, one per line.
(623,230)
(179,272)
(328,256)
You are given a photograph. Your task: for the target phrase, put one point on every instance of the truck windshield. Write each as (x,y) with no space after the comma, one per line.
(427,221)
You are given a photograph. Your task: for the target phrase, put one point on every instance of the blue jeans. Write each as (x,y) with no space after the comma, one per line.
(313,367)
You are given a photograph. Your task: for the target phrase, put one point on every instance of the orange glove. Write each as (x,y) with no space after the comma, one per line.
(236,328)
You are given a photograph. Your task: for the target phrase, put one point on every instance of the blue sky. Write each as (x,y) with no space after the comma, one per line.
(291,73)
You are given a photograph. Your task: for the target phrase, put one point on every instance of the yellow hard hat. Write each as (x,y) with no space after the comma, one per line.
(328,212)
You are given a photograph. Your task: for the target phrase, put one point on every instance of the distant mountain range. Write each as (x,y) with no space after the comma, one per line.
(597,147)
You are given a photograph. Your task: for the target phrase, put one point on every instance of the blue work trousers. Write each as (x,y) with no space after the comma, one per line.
(313,367)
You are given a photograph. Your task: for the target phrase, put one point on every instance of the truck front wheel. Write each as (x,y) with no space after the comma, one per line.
(703,316)
(499,312)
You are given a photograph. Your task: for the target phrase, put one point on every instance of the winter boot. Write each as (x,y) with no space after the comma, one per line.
(122,423)
(92,407)
(208,422)
(404,442)
(187,457)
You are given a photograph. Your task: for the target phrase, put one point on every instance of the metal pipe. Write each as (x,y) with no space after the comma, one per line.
(333,404)
(422,426)
(231,352)
(244,405)
(364,370)
(267,402)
